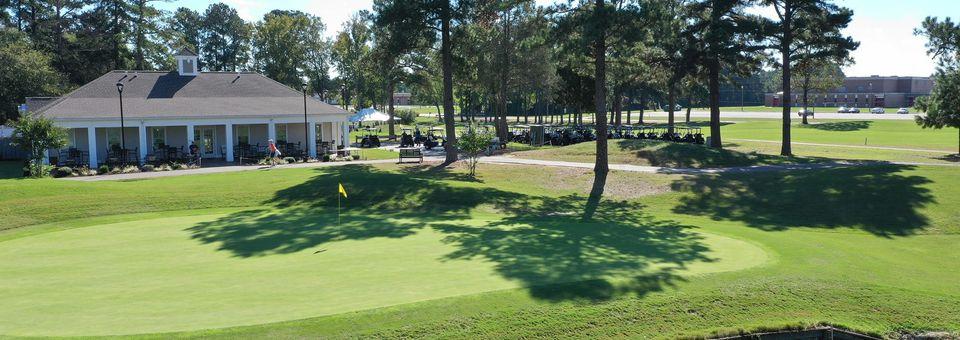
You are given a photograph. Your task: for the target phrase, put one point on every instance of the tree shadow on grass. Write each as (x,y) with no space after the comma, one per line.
(877,199)
(856,125)
(679,155)
(541,242)
(550,248)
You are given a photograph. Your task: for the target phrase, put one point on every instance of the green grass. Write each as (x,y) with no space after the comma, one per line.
(888,133)
(423,252)
(659,153)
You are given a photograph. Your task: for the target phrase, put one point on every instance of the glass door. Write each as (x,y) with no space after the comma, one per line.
(206,140)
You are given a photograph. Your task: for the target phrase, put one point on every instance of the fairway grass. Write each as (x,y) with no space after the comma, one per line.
(426,252)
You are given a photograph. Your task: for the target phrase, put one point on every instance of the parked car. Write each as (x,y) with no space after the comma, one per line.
(853,110)
(843,109)
(903,111)
(877,110)
(675,108)
(805,112)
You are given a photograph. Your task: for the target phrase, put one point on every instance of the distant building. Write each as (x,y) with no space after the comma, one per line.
(402,98)
(863,92)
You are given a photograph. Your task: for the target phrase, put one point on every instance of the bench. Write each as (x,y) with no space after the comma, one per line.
(411,153)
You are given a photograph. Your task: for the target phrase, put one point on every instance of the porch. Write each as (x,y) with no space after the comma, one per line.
(155,141)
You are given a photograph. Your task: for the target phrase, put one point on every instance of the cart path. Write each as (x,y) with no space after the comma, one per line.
(842,145)
(506,160)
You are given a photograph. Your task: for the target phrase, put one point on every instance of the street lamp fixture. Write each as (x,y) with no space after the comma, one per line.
(123,146)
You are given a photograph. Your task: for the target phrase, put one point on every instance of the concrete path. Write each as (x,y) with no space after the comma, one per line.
(844,146)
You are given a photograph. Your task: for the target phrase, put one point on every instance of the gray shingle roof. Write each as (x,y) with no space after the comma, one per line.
(168,95)
(186,52)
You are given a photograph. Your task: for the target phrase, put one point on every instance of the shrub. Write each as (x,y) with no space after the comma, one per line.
(289,160)
(472,144)
(84,171)
(177,166)
(326,158)
(147,168)
(103,170)
(355,157)
(63,171)
(129,169)
(406,117)
(164,167)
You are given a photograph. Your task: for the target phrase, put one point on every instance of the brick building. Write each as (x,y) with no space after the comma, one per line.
(864,92)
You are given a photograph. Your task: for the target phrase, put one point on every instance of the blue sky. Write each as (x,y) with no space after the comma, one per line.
(883,27)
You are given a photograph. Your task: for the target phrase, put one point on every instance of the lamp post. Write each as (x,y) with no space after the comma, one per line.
(306,126)
(123,146)
(741,98)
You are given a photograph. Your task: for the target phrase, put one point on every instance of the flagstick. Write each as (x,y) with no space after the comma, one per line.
(338,208)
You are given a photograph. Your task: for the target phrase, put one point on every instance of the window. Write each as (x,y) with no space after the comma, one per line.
(159,136)
(188,66)
(281,133)
(113,137)
(243,134)
(71,138)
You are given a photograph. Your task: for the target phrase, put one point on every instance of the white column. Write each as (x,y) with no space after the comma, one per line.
(143,142)
(312,139)
(229,138)
(272,131)
(92,145)
(190,137)
(345,134)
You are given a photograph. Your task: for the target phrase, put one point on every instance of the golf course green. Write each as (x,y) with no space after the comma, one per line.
(154,276)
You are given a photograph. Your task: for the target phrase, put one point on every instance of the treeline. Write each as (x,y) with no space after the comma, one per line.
(48,47)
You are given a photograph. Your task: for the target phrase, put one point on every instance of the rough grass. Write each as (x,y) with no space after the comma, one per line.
(868,248)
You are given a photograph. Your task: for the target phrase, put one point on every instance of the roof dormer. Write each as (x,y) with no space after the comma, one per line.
(187,62)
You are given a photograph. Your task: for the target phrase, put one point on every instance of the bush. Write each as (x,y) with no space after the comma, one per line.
(103,170)
(147,168)
(407,117)
(355,157)
(289,160)
(326,158)
(84,171)
(177,166)
(472,144)
(63,171)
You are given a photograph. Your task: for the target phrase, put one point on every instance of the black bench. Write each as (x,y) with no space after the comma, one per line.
(411,153)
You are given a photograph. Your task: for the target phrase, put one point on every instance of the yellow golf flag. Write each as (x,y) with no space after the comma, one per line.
(343,191)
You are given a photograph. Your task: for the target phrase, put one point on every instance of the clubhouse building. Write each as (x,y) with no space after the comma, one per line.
(863,92)
(216,111)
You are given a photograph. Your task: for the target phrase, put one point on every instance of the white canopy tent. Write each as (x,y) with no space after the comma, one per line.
(369,115)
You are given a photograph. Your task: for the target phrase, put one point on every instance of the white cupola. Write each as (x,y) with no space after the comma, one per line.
(187,62)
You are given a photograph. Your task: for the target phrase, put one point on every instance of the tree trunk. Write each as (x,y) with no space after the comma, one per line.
(806,90)
(391,130)
(714,94)
(689,106)
(643,105)
(601,167)
(447,65)
(672,101)
(785,149)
